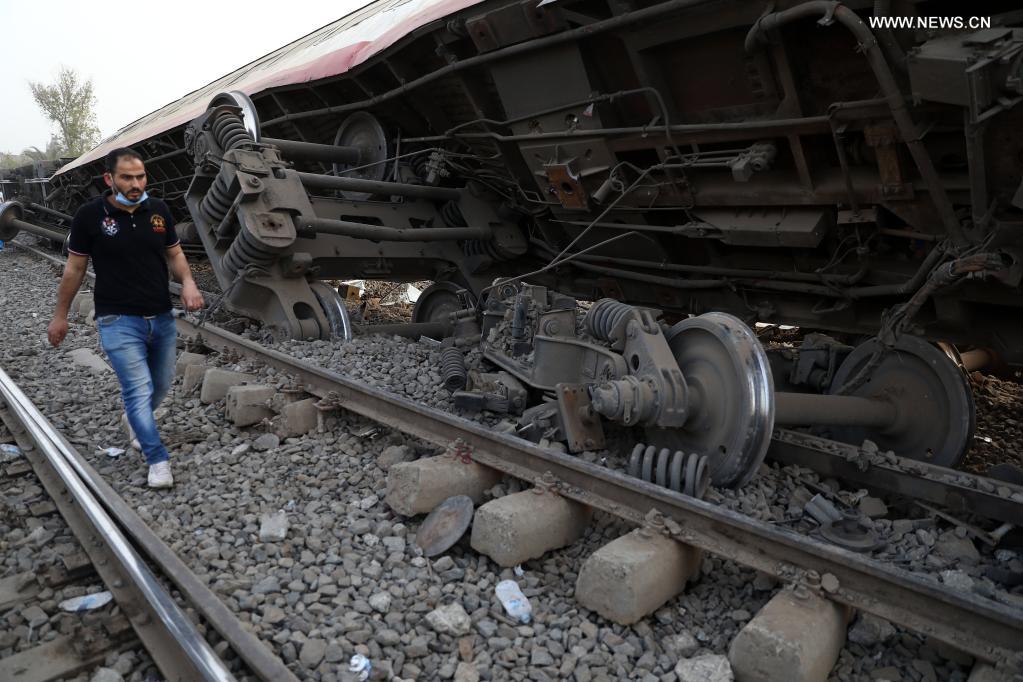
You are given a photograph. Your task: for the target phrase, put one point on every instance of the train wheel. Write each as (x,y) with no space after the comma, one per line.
(437,301)
(363,130)
(731,397)
(250,118)
(936,414)
(9,211)
(334,310)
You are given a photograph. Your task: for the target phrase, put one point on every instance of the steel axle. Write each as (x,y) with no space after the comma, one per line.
(11,223)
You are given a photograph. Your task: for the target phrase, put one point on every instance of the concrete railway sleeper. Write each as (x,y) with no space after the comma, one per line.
(117,540)
(987,629)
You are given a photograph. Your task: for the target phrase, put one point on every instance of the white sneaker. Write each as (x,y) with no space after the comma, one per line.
(160,475)
(126,425)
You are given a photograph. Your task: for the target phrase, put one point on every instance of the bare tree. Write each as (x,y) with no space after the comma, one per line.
(69,103)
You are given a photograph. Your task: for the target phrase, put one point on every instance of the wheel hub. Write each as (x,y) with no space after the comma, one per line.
(364,131)
(732,405)
(437,301)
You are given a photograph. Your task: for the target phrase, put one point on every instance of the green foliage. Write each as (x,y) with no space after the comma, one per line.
(9,161)
(69,103)
(54,150)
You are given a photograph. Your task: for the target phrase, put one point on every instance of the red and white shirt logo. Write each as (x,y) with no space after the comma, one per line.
(109,226)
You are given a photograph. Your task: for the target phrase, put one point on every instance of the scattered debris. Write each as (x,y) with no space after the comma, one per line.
(515,603)
(86,602)
(273,527)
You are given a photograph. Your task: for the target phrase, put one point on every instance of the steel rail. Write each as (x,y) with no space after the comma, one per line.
(956,491)
(989,630)
(176,646)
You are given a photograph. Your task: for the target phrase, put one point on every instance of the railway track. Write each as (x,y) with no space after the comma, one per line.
(135,566)
(988,627)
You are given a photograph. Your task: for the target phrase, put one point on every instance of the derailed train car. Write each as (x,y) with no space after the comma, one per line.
(779,160)
(782,161)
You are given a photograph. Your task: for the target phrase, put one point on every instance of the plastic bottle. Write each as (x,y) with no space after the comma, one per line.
(515,603)
(360,667)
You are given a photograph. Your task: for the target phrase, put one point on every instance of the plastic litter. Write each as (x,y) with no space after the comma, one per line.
(518,571)
(823,511)
(411,294)
(515,603)
(112,452)
(9,452)
(361,667)
(273,527)
(86,602)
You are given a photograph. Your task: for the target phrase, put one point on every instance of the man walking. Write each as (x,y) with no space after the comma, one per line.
(131,240)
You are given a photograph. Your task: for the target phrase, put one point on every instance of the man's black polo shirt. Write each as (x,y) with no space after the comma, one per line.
(129,254)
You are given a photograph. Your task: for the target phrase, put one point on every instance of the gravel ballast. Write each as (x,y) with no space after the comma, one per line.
(347,577)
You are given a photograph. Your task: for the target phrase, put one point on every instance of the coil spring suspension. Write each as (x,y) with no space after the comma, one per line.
(604,316)
(475,247)
(245,250)
(217,201)
(452,369)
(229,132)
(452,216)
(419,165)
(686,474)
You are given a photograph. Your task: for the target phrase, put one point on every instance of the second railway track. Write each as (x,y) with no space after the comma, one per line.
(136,567)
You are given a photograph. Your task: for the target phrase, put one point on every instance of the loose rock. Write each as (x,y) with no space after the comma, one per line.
(450,620)
(706,668)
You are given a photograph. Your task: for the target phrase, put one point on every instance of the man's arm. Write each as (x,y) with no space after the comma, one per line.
(74,273)
(178,265)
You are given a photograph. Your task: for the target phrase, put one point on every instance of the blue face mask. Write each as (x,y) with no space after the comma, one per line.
(125,201)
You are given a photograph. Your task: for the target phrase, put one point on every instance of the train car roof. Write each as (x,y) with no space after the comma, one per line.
(328,51)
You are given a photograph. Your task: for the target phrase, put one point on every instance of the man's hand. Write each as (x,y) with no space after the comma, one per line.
(57,330)
(190,296)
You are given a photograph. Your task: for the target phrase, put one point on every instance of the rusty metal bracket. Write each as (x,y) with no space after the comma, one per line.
(884,138)
(566,184)
(580,423)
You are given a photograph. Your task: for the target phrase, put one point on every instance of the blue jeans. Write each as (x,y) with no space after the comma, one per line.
(142,353)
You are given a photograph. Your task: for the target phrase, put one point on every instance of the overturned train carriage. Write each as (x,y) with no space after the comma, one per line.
(782,161)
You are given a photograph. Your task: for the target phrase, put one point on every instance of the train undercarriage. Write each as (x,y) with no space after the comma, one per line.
(779,162)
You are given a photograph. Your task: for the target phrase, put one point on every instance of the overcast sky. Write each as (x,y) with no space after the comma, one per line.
(139,57)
